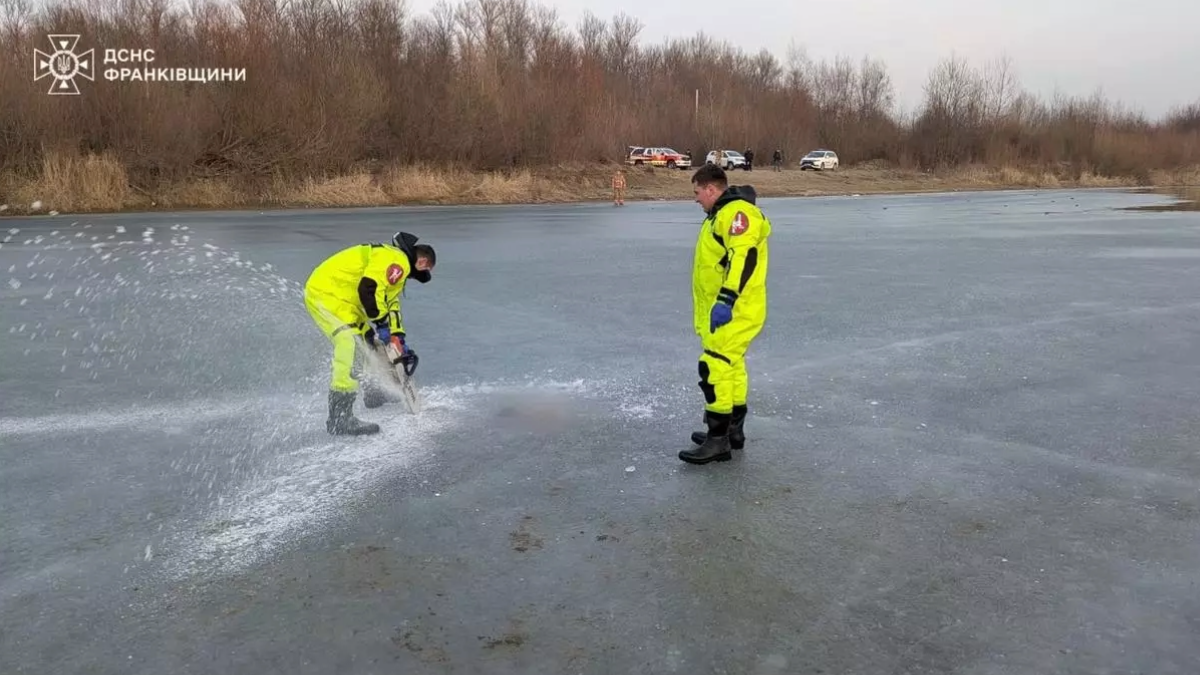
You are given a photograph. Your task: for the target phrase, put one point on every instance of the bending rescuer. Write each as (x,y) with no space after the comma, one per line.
(354,296)
(729,296)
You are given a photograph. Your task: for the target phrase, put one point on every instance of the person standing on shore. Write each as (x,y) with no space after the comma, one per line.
(618,185)
(729,297)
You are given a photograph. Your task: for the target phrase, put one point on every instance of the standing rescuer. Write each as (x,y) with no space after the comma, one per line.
(618,184)
(354,295)
(729,297)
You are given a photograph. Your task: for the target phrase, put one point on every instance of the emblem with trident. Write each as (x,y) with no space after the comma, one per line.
(63,64)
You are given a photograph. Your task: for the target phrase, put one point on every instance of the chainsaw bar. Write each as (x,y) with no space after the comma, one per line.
(402,369)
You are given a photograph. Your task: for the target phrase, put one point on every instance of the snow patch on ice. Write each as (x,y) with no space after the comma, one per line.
(642,411)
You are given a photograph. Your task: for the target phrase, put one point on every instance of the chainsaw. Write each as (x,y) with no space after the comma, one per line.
(403,363)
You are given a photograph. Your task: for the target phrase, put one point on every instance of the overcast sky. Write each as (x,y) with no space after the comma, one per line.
(1144,52)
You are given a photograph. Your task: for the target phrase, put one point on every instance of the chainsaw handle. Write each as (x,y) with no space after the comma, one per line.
(410,362)
(408,358)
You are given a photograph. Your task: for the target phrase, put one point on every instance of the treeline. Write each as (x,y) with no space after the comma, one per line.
(333,85)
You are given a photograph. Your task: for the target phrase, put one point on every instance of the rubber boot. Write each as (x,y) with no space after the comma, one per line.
(342,421)
(737,437)
(716,442)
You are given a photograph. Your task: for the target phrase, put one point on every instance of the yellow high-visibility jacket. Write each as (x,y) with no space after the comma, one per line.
(364,282)
(731,264)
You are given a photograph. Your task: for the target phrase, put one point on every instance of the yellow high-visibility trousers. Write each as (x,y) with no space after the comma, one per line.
(723,378)
(339,321)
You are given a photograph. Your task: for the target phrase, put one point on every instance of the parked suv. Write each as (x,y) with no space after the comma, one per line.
(819,160)
(730,159)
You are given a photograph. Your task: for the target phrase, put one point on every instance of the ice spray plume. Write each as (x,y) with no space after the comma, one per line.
(199,317)
(193,332)
(163,321)
(194,328)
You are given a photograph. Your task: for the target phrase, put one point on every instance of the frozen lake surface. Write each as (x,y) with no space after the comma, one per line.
(972,446)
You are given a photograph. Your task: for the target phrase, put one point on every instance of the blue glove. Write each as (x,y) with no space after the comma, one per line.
(382,334)
(721,315)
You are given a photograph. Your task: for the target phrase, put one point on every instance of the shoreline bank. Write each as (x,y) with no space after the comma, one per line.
(98,185)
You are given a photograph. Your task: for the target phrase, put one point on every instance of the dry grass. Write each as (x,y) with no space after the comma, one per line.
(67,183)
(204,193)
(93,183)
(353,190)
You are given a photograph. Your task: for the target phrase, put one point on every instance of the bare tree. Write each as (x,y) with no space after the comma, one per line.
(502,83)
(1001,88)
(593,31)
(14,19)
(1185,119)
(620,47)
(876,95)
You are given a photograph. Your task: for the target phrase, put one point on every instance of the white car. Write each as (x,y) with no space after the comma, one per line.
(819,160)
(730,159)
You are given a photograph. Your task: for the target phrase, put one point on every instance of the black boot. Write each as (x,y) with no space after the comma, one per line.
(737,437)
(716,442)
(342,421)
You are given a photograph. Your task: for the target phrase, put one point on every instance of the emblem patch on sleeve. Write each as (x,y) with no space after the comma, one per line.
(740,223)
(394,272)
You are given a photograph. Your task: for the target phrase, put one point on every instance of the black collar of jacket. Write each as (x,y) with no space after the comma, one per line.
(734,192)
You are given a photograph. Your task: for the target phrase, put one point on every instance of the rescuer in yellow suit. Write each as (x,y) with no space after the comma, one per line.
(354,295)
(729,302)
